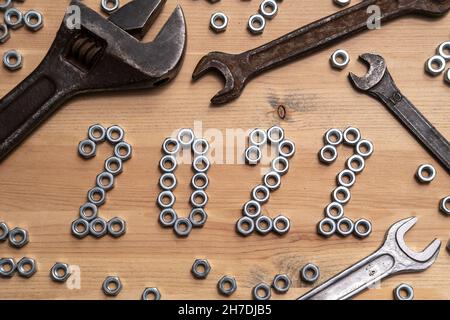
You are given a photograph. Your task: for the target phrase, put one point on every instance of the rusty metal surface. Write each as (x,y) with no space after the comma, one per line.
(99,56)
(379,83)
(238,69)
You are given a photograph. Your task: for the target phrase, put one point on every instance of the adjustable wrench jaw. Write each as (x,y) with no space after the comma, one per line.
(429,7)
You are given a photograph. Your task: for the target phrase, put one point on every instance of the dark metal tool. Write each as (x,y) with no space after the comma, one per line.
(392,258)
(379,84)
(99,55)
(238,69)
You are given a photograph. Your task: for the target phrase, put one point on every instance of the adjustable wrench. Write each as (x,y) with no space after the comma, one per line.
(238,69)
(392,258)
(97,55)
(379,84)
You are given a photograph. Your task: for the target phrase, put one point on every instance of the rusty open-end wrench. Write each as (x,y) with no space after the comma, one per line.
(98,55)
(238,69)
(392,258)
(379,83)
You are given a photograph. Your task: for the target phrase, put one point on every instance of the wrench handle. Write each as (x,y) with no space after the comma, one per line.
(413,119)
(355,279)
(319,34)
(25,107)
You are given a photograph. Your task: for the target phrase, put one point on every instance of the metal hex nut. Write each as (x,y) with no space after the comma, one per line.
(7,273)
(221,285)
(110,290)
(58,276)
(4,231)
(20,233)
(148,292)
(444,205)
(24,272)
(201,263)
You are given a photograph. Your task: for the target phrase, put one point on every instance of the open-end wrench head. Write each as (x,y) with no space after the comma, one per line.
(429,253)
(136,17)
(225,65)
(377,69)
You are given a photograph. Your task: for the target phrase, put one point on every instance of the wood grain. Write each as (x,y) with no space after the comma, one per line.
(44,182)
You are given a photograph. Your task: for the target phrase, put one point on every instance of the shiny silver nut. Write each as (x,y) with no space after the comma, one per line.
(310,273)
(201,164)
(219,22)
(201,268)
(4,33)
(88,211)
(281,225)
(151,294)
(87,149)
(362,228)
(60,272)
(334,211)
(364,148)
(166,199)
(333,137)
(245,226)
(168,164)
(80,228)
(114,166)
(257,137)
(252,209)
(167,217)
(168,181)
(352,136)
(97,196)
(12,60)
(328,154)
(123,151)
(341,195)
(264,225)
(117,227)
(105,180)
(14,18)
(7,267)
(444,50)
(346,178)
(115,134)
(18,237)
(286,149)
(275,135)
(182,227)
(5,4)
(340,59)
(256,24)
(185,138)
(345,227)
(435,65)
(272,180)
(34,20)
(200,146)
(444,205)
(447,74)
(200,181)
(262,291)
(26,267)
(281,283)
(109,6)
(253,155)
(326,227)
(227,285)
(97,133)
(112,286)
(404,292)
(199,199)
(198,217)
(356,163)
(98,227)
(280,165)
(342,3)
(268,9)
(4,231)
(426,173)
(261,194)
(170,146)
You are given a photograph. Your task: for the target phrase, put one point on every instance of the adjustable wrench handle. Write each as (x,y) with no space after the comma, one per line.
(355,279)
(26,106)
(410,116)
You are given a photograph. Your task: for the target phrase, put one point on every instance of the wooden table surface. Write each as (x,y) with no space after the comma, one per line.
(44,182)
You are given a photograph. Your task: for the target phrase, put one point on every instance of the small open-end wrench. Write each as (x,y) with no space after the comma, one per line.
(392,258)
(379,83)
(238,69)
(96,55)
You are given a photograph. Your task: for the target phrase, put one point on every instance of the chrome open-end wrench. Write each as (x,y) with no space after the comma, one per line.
(238,69)
(379,83)
(97,54)
(392,258)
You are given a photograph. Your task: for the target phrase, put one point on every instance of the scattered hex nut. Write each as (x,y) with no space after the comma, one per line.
(444,205)
(7,267)
(18,237)
(328,154)
(80,228)
(98,227)
(13,18)
(364,148)
(5,4)
(333,137)
(60,272)
(253,155)
(281,225)
(256,24)
(227,285)
(404,292)
(88,211)
(426,173)
(4,33)
(262,291)
(200,146)
(352,136)
(112,227)
(219,22)
(245,226)
(185,138)
(109,6)
(123,151)
(182,227)
(268,9)
(264,225)
(151,292)
(275,135)
(281,283)
(97,133)
(326,227)
(287,148)
(4,231)
(12,60)
(257,137)
(435,65)
(340,59)
(310,273)
(115,134)
(201,268)
(34,20)
(444,49)
(342,3)
(198,217)
(26,267)
(87,149)
(362,228)
(112,286)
